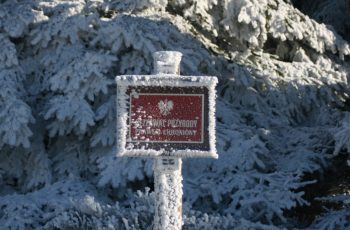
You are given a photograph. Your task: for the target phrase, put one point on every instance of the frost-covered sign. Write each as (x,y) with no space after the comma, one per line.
(166,114)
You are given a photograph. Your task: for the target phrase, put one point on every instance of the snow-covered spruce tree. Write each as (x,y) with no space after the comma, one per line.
(281,97)
(334,13)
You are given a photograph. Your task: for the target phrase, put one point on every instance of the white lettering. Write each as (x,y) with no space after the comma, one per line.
(179,132)
(153,122)
(160,123)
(153,132)
(182,123)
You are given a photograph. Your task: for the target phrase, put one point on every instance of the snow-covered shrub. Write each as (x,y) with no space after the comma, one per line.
(198,220)
(334,13)
(334,219)
(74,204)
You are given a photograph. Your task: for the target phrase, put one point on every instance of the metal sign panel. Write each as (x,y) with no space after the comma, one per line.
(165,119)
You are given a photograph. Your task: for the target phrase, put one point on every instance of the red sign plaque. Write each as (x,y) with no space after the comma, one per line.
(171,118)
(167,118)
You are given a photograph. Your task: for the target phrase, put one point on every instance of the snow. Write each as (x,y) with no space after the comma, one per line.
(167,62)
(168,192)
(166,80)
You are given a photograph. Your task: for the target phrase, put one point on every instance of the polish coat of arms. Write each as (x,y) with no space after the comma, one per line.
(165,106)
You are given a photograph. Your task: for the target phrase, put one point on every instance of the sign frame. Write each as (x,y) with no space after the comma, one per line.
(166,84)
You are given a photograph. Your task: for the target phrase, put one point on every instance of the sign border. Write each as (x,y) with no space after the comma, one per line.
(171,146)
(163,80)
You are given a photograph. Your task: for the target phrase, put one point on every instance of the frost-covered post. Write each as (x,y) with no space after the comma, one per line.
(167,117)
(167,171)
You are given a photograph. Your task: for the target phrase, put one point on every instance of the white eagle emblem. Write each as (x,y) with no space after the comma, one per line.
(165,107)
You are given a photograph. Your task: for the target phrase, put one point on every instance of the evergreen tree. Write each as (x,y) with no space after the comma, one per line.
(281,110)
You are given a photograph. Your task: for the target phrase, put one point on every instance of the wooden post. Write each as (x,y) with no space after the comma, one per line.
(167,170)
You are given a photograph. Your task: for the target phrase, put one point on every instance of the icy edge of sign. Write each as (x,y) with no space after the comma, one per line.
(163,80)
(166,80)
